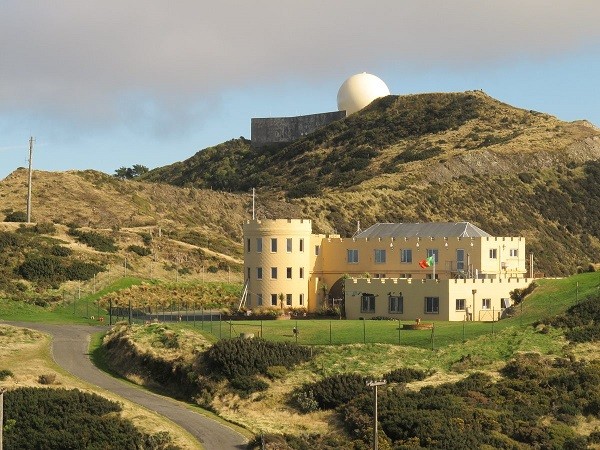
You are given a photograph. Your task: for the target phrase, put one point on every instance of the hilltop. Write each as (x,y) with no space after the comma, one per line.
(427,157)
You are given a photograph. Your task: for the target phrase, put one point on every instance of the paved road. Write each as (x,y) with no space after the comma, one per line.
(70,350)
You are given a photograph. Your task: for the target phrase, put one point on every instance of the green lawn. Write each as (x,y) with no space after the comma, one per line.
(71,310)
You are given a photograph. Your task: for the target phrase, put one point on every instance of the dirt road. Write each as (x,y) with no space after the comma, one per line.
(70,351)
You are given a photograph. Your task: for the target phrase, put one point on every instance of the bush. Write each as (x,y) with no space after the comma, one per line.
(5,373)
(95,240)
(405,375)
(304,401)
(44,228)
(49,378)
(139,250)
(336,390)
(59,250)
(16,216)
(235,358)
(42,269)
(245,386)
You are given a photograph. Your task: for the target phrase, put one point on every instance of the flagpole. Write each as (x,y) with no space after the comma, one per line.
(433,266)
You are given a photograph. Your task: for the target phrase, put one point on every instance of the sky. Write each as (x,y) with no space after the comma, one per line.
(106,84)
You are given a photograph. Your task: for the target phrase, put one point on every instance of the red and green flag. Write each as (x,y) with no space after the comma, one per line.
(427,262)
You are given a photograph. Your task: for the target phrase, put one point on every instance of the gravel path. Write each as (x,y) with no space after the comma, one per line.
(70,351)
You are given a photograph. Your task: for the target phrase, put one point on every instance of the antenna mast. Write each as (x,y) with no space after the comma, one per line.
(31,141)
(253,195)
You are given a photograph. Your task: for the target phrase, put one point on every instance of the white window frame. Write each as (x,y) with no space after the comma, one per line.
(288,273)
(493,253)
(259,273)
(301,275)
(259,245)
(288,245)
(486,303)
(273,299)
(380,256)
(301,300)
(273,245)
(406,255)
(301,244)
(273,273)
(514,252)
(288,299)
(461,304)
(352,255)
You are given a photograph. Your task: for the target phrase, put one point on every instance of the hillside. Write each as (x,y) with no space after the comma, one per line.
(449,157)
(162,231)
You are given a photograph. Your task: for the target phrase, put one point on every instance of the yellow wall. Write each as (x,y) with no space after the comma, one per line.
(413,293)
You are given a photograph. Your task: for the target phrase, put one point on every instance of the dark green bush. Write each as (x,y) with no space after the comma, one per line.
(5,373)
(56,419)
(234,358)
(79,270)
(405,375)
(245,386)
(45,228)
(95,240)
(16,216)
(59,250)
(335,390)
(139,250)
(42,268)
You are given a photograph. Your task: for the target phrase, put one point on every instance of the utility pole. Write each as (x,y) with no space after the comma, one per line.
(2,390)
(374,384)
(31,141)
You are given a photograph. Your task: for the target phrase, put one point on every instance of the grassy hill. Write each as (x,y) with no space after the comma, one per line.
(427,157)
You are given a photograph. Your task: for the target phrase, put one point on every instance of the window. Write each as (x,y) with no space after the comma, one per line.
(317,248)
(514,252)
(367,303)
(493,254)
(460,259)
(274,273)
(406,275)
(486,303)
(288,272)
(406,255)
(301,244)
(259,300)
(429,276)
(379,255)
(288,245)
(379,275)
(396,304)
(433,252)
(274,245)
(288,299)
(460,304)
(301,272)
(352,256)
(301,300)
(259,273)
(273,299)
(505,303)
(248,249)
(432,305)
(258,245)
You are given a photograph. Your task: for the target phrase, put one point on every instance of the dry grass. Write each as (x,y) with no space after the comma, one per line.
(27,354)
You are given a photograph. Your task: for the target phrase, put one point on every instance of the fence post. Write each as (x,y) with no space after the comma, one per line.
(364,331)
(464,340)
(432,336)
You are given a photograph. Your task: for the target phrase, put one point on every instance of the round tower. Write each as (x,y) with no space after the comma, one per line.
(277,262)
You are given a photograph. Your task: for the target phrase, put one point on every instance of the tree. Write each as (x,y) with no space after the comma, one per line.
(127,173)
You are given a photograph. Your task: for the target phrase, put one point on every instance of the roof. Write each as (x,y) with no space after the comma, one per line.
(444,229)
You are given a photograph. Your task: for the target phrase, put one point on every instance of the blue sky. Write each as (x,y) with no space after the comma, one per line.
(102,85)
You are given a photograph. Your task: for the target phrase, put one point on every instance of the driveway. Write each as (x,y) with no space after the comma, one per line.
(70,351)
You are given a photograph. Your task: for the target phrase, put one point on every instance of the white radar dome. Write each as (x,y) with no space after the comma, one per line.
(360,90)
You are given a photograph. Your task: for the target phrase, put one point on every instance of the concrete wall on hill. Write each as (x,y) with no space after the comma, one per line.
(277,130)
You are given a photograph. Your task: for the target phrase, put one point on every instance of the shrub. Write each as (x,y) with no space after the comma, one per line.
(16,216)
(95,240)
(42,268)
(245,357)
(59,250)
(245,386)
(304,401)
(48,378)
(44,228)
(139,250)
(405,375)
(5,373)
(276,372)
(336,390)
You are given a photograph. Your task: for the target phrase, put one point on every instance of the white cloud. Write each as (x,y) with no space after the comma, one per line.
(101,63)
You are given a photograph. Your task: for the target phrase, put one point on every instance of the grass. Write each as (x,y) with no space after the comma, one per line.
(76,311)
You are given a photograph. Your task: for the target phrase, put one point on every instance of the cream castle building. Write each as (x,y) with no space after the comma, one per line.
(383,271)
